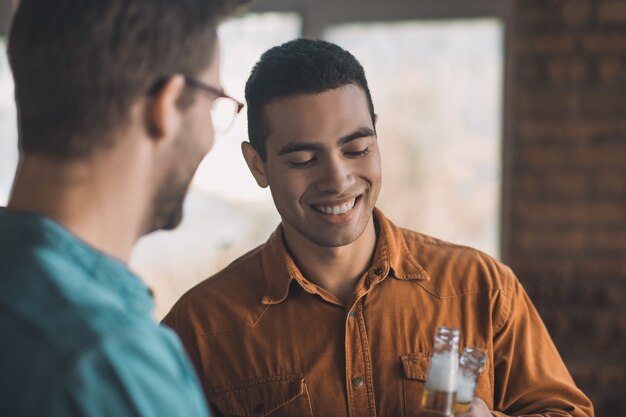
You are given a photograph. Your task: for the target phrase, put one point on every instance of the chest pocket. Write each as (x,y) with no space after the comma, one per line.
(274,398)
(415,368)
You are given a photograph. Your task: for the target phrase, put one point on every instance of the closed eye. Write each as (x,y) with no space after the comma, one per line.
(302,164)
(357,154)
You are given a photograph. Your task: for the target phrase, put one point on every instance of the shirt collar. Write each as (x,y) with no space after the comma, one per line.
(392,253)
(391,258)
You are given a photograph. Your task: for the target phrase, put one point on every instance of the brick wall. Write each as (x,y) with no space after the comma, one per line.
(567,183)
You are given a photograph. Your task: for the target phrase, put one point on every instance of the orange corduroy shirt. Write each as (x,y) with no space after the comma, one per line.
(268,342)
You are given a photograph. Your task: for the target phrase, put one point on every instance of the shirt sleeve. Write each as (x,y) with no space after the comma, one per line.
(530,376)
(138,372)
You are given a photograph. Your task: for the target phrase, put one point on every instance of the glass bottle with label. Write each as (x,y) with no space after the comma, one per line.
(440,391)
(471,365)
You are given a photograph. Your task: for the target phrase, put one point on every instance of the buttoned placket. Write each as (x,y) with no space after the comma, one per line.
(359,382)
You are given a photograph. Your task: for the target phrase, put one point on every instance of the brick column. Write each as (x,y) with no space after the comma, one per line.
(567,207)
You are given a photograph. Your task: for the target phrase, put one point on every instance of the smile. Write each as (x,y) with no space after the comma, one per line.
(336,209)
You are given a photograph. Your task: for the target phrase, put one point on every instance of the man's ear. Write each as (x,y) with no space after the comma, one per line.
(163,116)
(255,164)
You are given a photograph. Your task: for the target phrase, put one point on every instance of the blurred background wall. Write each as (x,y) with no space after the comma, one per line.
(566,195)
(539,110)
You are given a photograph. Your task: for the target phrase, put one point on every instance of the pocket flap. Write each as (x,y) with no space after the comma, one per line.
(415,365)
(259,398)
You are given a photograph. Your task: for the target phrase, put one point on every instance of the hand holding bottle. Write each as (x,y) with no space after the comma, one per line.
(478,408)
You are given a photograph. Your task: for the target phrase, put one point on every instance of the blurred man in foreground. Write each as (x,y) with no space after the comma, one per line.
(335,315)
(115,102)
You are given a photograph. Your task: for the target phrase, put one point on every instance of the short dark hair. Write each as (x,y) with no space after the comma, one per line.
(301,66)
(78,65)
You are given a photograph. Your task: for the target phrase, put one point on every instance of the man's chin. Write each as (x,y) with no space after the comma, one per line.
(173,224)
(169,222)
(336,238)
(174,220)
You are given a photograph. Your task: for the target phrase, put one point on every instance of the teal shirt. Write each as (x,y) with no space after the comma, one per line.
(77,335)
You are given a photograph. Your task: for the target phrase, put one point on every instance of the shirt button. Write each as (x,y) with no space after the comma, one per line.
(351,314)
(358,381)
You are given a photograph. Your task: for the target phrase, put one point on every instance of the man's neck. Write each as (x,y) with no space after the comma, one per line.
(336,269)
(88,197)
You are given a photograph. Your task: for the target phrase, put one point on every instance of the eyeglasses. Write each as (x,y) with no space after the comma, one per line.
(225,108)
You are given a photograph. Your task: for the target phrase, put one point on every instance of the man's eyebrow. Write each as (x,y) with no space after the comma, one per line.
(292,147)
(363,132)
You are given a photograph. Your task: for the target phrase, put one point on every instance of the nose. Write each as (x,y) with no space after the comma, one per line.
(336,176)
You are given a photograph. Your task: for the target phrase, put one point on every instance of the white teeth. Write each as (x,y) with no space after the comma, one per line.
(335,210)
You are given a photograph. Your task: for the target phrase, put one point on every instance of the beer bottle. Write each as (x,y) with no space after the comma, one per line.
(471,365)
(440,390)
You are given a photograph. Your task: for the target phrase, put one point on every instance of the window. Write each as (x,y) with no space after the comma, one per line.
(8,127)
(437,88)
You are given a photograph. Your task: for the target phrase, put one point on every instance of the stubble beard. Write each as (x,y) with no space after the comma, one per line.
(167,206)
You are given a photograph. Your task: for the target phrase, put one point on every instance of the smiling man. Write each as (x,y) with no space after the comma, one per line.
(335,314)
